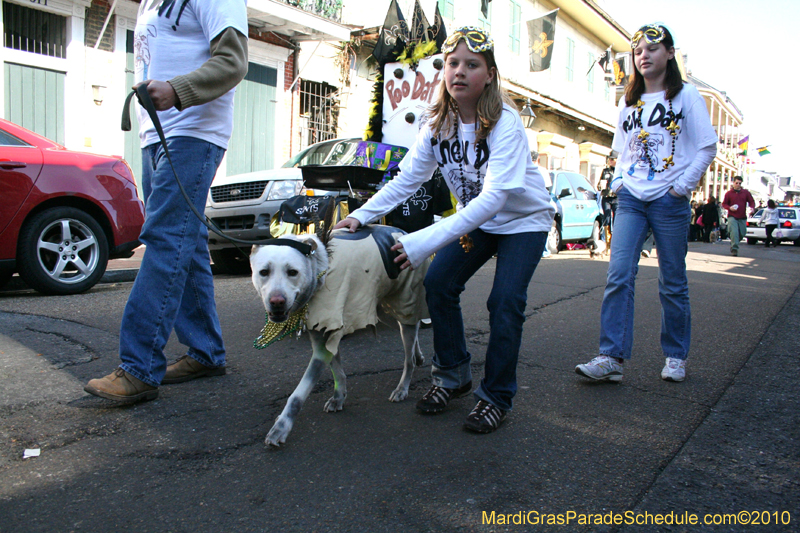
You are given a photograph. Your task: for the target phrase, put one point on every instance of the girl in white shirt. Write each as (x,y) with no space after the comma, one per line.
(770,220)
(475,136)
(666,143)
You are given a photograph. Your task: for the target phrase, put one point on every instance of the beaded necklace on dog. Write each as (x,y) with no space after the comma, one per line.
(466,241)
(274,331)
(673,129)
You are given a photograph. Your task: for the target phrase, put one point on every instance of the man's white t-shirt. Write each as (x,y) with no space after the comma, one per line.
(172,39)
(696,132)
(502,162)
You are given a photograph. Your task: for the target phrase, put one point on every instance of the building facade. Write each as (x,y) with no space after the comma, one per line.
(68,66)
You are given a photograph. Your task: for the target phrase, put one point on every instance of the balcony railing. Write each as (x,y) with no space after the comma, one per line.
(330,9)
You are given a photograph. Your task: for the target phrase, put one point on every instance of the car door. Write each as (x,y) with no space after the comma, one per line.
(571,206)
(20,164)
(586,204)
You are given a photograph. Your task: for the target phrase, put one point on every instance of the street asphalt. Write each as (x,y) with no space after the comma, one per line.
(721,448)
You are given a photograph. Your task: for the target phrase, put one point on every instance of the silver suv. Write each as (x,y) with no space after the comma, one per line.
(242,205)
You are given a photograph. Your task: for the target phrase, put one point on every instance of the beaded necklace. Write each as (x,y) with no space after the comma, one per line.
(465,196)
(673,129)
(466,240)
(275,331)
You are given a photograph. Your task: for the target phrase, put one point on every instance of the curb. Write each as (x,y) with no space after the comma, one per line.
(111,276)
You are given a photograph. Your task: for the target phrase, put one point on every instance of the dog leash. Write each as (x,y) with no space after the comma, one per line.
(147,103)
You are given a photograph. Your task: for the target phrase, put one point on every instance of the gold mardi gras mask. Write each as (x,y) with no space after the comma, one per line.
(477,40)
(652,33)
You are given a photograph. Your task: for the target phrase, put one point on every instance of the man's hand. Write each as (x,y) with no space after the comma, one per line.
(161,92)
(350,223)
(402,258)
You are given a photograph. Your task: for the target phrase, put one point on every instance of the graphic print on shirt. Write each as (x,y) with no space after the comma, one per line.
(141,50)
(647,146)
(465,175)
(165,9)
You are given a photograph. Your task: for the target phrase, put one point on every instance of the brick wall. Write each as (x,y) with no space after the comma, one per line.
(95,17)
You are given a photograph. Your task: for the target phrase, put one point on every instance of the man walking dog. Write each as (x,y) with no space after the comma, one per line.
(190,54)
(736,201)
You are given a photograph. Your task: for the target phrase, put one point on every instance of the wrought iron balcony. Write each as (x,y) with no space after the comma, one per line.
(330,9)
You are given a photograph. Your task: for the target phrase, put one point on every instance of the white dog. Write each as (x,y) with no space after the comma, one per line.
(342,282)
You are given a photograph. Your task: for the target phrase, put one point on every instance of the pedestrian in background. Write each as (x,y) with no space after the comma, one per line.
(653,182)
(710,218)
(735,202)
(693,234)
(475,136)
(770,219)
(190,59)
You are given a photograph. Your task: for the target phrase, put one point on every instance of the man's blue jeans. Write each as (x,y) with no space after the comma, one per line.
(737,230)
(517,257)
(669,218)
(174,287)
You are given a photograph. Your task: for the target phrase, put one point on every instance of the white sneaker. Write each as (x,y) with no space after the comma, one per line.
(674,370)
(601,368)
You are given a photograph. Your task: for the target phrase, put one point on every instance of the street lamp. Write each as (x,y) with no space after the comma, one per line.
(527,114)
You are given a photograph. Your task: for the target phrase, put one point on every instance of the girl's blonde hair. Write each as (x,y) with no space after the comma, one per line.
(443,112)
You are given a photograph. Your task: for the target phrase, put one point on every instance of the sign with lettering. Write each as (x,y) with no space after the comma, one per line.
(407,94)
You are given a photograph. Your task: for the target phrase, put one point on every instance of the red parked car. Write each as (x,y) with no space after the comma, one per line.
(63,214)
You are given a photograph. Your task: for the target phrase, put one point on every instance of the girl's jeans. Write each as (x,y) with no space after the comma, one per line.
(669,217)
(517,257)
(174,287)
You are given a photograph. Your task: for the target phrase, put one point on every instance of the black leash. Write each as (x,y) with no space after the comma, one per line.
(147,103)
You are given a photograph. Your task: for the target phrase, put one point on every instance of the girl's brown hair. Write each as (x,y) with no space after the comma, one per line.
(443,112)
(673,81)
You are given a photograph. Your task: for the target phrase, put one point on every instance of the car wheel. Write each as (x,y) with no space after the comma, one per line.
(595,233)
(62,250)
(752,241)
(554,239)
(796,242)
(231,261)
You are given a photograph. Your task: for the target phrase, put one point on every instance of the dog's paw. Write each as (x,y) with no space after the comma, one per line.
(277,435)
(419,359)
(398,395)
(334,404)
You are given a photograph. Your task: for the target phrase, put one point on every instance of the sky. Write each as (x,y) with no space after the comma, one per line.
(740,47)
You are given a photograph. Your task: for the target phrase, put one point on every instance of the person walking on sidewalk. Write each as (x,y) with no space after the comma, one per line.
(770,219)
(475,136)
(666,143)
(710,213)
(190,59)
(736,201)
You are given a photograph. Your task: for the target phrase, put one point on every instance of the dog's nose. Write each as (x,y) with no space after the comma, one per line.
(277,301)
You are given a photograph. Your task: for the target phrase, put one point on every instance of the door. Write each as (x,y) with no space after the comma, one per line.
(133,151)
(34,99)
(252,143)
(586,203)
(570,207)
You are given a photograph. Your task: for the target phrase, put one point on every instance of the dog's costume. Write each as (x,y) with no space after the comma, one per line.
(359,279)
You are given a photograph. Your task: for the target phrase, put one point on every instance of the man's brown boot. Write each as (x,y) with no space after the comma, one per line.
(187,369)
(122,387)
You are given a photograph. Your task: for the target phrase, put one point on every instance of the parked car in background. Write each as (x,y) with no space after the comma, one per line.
(242,205)
(63,214)
(788,226)
(578,217)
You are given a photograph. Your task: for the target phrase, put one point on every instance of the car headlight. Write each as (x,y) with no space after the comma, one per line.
(283,190)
